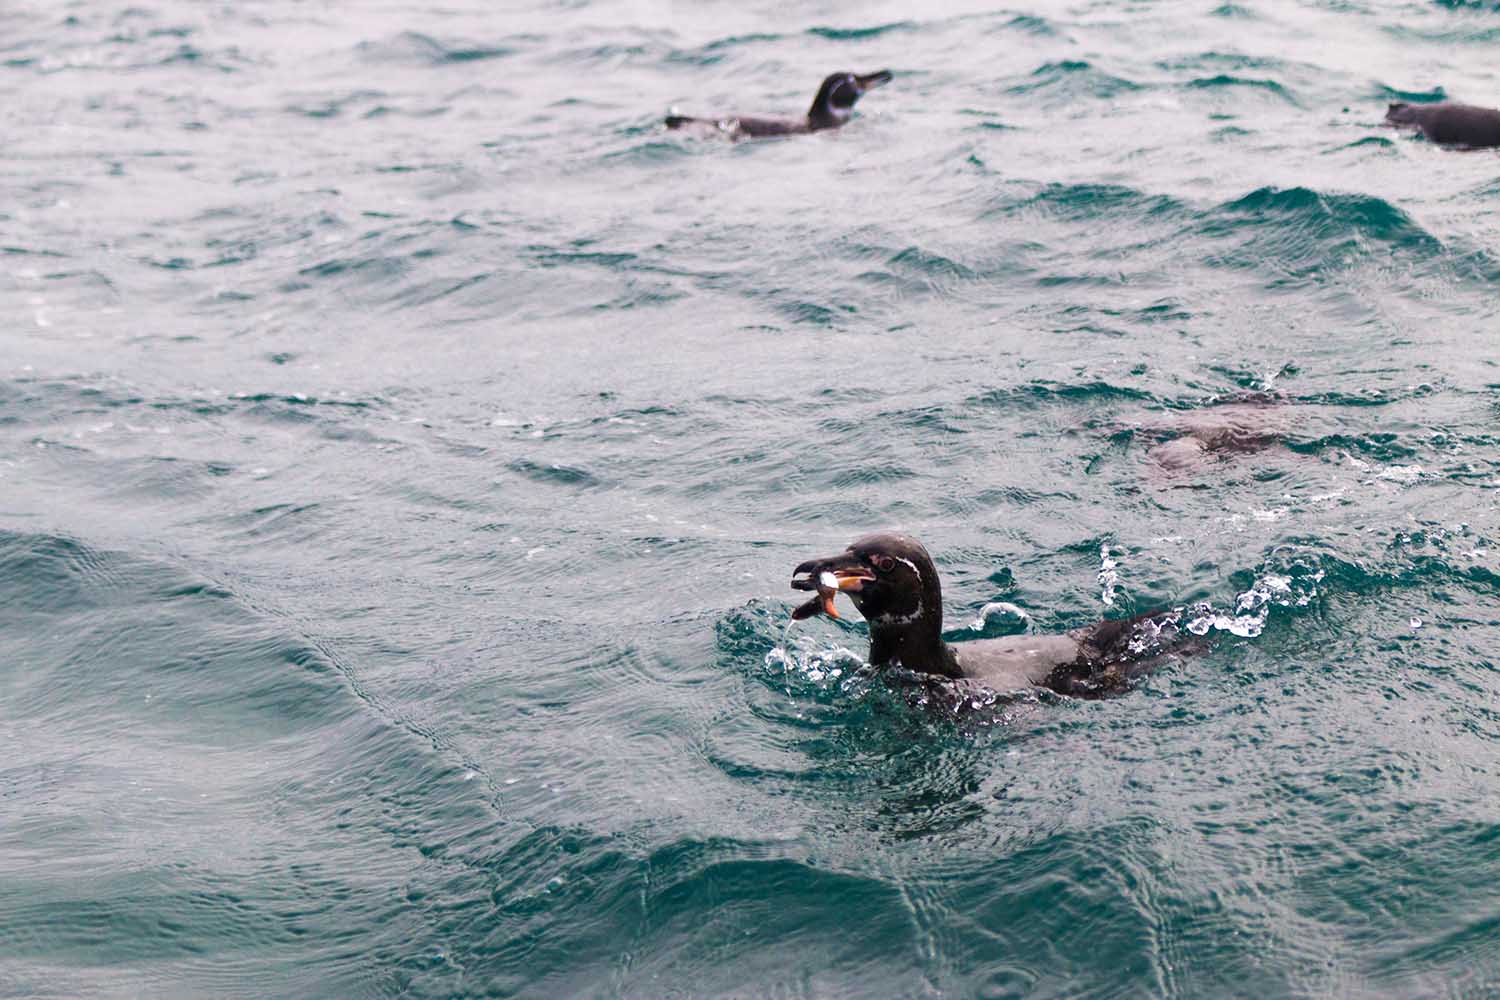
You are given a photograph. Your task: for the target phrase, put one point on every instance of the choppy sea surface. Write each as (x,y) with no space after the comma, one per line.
(405,444)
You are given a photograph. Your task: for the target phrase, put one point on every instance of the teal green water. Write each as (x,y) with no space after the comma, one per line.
(405,445)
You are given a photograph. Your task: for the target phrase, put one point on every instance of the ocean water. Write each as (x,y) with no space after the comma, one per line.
(405,444)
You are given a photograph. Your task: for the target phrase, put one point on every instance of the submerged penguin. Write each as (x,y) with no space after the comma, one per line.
(893,583)
(830,109)
(1192,439)
(1449,124)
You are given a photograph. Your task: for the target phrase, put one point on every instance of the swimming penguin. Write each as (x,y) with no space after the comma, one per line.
(893,583)
(1192,439)
(830,109)
(1449,124)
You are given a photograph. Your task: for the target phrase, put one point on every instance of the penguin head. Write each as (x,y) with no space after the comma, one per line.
(889,577)
(1400,113)
(835,100)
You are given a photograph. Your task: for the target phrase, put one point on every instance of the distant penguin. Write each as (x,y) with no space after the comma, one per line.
(1192,439)
(1449,124)
(830,108)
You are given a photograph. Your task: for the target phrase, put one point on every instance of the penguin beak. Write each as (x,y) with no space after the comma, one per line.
(828,576)
(873,80)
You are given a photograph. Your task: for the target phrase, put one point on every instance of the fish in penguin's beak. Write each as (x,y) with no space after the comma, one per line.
(874,80)
(827,577)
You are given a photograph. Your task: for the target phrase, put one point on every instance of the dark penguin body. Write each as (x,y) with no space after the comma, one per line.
(831,108)
(1449,124)
(894,584)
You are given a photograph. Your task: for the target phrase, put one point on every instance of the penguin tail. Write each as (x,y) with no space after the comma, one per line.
(1118,652)
(678,121)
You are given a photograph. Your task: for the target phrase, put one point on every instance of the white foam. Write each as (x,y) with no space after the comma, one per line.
(1402,473)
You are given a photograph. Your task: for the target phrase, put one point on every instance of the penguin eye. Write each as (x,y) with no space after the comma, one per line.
(884,563)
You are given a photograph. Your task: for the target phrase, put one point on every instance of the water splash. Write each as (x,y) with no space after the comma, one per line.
(786,634)
(978,704)
(1108,578)
(839,671)
(823,665)
(1286,581)
(998,610)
